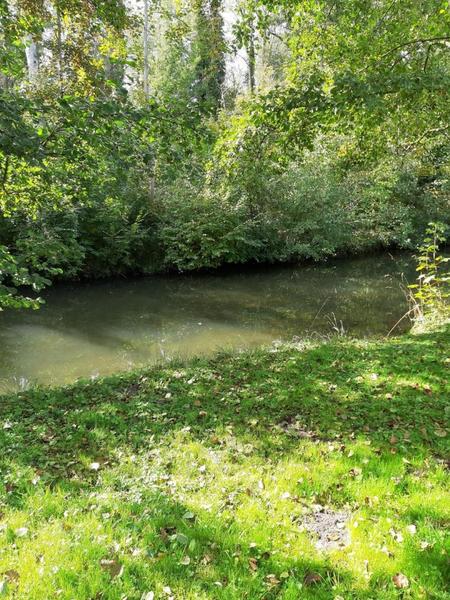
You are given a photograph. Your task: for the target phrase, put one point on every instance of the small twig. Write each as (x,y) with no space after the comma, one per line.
(5,172)
(383,17)
(319,311)
(425,64)
(401,319)
(419,41)
(279,37)
(425,134)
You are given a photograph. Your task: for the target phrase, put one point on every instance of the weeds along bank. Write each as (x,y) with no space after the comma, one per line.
(201,480)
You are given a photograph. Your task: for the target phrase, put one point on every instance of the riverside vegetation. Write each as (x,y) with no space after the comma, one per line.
(183,135)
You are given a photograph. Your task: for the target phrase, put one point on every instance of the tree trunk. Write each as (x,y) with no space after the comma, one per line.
(251,63)
(146,51)
(59,43)
(32,55)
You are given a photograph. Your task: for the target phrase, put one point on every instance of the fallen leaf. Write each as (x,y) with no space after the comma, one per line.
(21,532)
(164,533)
(253,564)
(12,575)
(396,535)
(424,545)
(272,580)
(366,567)
(400,581)
(355,472)
(312,578)
(112,566)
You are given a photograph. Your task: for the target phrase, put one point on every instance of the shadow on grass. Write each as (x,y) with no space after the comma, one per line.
(389,394)
(392,393)
(223,563)
(195,558)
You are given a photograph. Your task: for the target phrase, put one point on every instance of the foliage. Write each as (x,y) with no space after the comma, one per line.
(344,149)
(12,273)
(433,287)
(210,50)
(198,477)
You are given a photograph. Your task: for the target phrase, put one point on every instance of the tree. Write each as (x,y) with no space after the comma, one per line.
(209,55)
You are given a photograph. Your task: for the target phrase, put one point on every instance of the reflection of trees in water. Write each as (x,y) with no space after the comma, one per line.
(284,301)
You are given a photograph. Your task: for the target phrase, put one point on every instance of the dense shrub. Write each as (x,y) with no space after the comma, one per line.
(78,204)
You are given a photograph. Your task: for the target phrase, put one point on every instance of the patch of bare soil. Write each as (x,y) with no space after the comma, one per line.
(328,527)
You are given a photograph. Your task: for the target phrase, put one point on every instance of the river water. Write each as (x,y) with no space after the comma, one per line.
(92,329)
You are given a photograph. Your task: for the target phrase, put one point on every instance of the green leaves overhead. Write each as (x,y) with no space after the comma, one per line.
(362,63)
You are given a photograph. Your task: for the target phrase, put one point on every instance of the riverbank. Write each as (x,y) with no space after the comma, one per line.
(316,471)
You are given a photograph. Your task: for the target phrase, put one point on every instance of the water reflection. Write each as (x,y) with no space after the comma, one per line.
(97,328)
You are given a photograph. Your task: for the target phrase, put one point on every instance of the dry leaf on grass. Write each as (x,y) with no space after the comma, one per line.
(400,581)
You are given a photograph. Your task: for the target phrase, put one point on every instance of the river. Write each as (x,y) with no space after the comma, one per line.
(98,328)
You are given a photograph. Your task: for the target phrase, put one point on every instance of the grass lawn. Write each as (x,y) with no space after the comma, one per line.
(202,480)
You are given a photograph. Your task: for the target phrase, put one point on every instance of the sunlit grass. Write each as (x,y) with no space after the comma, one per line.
(193,481)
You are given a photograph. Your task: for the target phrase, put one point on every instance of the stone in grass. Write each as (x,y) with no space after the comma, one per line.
(329,528)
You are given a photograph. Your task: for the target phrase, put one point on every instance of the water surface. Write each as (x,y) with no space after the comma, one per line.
(91,329)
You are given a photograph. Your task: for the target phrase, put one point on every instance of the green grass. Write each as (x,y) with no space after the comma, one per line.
(197,477)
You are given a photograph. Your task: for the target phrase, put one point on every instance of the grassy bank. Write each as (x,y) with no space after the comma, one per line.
(205,480)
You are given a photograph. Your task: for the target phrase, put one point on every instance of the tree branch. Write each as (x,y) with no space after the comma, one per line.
(5,172)
(443,38)
(425,134)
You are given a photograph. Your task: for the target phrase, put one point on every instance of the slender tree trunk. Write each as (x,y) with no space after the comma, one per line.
(146,51)
(59,43)
(251,63)
(152,162)
(32,55)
